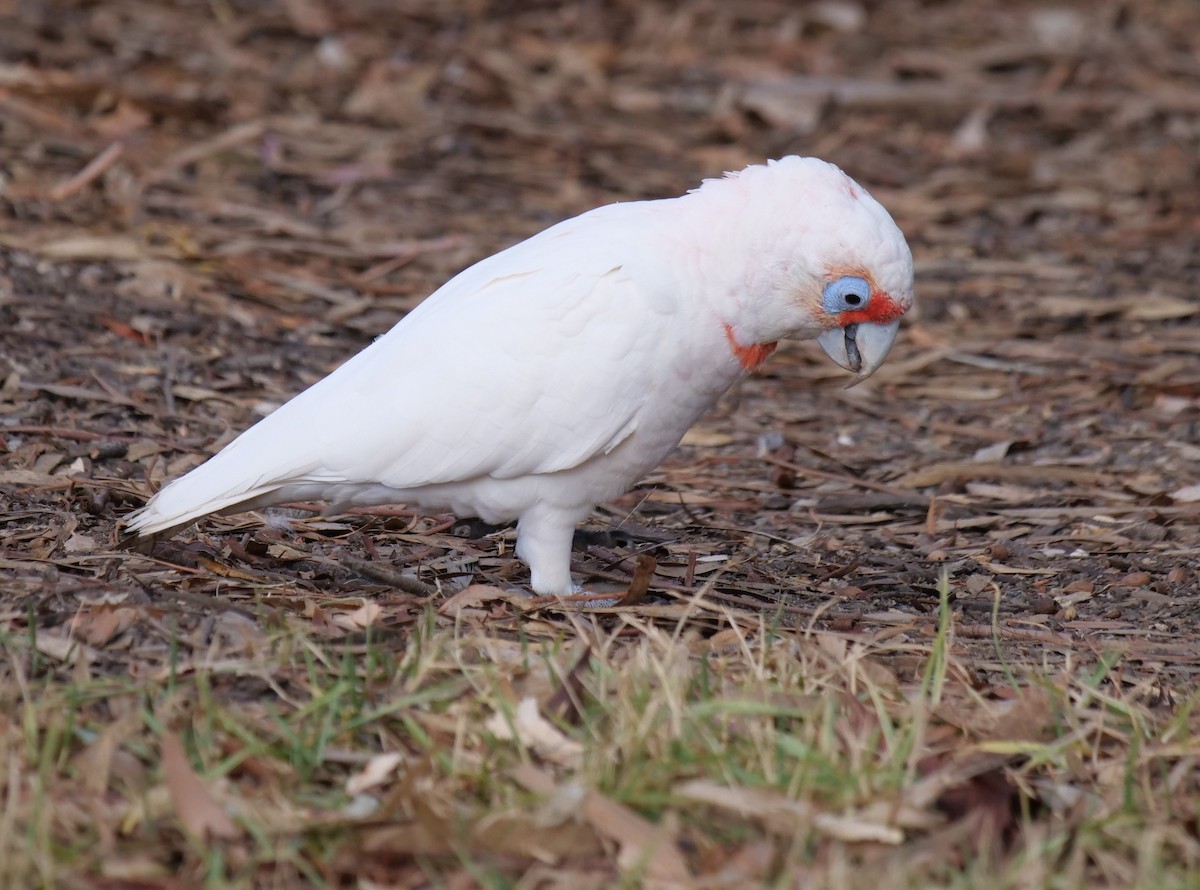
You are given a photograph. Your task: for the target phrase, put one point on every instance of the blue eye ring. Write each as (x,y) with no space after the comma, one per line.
(849,293)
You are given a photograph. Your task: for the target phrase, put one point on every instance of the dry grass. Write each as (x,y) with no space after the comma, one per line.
(578,749)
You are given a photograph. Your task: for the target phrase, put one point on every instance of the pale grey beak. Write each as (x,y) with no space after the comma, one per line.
(860,348)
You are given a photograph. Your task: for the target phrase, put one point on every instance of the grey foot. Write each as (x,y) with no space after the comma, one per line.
(599,602)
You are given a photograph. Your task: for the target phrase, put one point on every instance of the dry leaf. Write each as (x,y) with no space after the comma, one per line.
(377,771)
(1145,307)
(199,812)
(702,437)
(639,585)
(364,616)
(476,595)
(32,477)
(936,474)
(228,571)
(64,648)
(286,552)
(776,812)
(536,733)
(786,816)
(1189,494)
(647,850)
(79,543)
(521,834)
(309,17)
(92,247)
(101,623)
(993,453)
(95,762)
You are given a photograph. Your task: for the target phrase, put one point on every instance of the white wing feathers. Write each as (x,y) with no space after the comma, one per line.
(512,368)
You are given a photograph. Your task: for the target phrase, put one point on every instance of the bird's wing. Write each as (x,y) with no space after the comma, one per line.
(535,372)
(532,361)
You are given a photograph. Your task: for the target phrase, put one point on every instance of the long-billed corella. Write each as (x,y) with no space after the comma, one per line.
(552,376)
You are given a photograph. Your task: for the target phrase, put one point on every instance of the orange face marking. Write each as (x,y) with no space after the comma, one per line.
(750,357)
(881,309)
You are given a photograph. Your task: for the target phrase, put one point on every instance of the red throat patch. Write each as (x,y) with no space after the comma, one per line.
(750,357)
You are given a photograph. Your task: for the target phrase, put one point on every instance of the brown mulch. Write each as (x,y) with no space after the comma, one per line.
(206,207)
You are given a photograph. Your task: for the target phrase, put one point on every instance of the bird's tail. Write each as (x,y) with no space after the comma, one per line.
(267,464)
(189,498)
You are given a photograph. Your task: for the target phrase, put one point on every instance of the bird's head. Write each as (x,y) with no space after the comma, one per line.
(861,318)
(826,261)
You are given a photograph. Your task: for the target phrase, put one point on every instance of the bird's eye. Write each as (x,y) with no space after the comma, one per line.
(847,292)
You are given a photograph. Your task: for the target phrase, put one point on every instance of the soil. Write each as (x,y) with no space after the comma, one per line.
(206,207)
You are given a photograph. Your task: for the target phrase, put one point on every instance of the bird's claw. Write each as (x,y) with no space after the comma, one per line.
(574,598)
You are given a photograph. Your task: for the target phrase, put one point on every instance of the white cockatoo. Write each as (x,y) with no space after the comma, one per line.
(552,376)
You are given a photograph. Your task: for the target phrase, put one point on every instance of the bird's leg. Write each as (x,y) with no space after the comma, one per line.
(544,537)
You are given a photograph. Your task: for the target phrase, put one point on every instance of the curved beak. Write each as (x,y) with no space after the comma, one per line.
(860,348)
